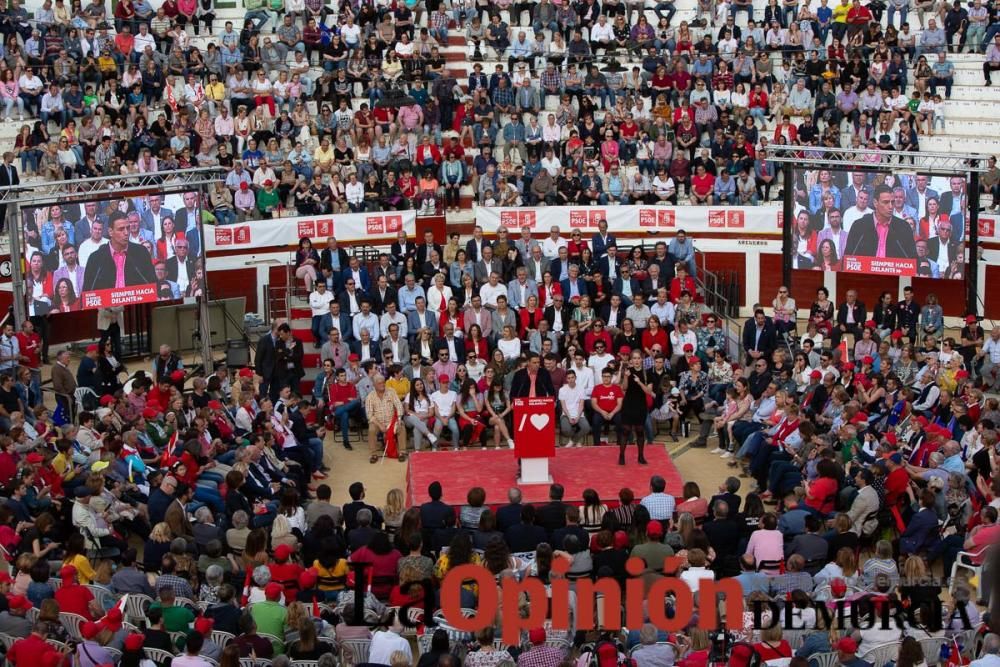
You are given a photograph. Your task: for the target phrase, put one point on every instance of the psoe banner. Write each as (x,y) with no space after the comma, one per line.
(735,220)
(382,226)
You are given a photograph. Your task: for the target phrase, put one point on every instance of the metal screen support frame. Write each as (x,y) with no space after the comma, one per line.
(865,159)
(89,189)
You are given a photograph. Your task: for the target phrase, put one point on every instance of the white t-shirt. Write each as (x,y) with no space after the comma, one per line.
(584,379)
(445,403)
(571,397)
(598,362)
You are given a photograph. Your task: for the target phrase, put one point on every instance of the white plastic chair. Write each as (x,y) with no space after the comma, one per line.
(975,570)
(882,654)
(354,651)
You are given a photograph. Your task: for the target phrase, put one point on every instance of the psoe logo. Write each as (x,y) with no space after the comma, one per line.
(223,236)
(852,264)
(717,219)
(375,224)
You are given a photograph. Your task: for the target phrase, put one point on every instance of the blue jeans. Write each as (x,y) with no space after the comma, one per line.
(598,422)
(260,17)
(452,426)
(316,449)
(316,321)
(61,116)
(744,429)
(343,415)
(668,7)
(224,216)
(902,14)
(208,493)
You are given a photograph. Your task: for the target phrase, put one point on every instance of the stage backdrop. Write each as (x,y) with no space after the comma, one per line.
(734,220)
(353,227)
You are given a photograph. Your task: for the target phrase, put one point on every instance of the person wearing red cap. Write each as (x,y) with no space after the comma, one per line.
(13,621)
(87,372)
(72,597)
(286,571)
(539,655)
(268,201)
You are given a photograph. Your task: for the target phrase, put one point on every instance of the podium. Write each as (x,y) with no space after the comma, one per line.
(534,437)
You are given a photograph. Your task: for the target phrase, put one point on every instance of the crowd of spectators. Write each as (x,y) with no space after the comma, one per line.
(644,113)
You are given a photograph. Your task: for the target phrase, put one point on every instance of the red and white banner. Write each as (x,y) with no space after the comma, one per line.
(879,266)
(736,220)
(124,296)
(352,227)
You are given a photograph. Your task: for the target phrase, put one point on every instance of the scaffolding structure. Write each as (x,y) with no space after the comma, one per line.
(969,167)
(90,189)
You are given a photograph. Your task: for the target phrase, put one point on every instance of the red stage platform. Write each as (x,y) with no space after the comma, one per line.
(576,469)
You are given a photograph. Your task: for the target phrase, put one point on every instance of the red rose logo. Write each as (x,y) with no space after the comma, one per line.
(526,219)
(324,227)
(393,223)
(242,235)
(666,218)
(987,227)
(597,216)
(734,219)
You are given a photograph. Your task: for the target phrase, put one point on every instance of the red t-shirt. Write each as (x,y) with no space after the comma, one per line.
(30,345)
(606,397)
(821,489)
(75,599)
(983,538)
(342,393)
(703,184)
(29,651)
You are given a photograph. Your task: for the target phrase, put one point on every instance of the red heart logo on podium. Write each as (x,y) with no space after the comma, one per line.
(539,421)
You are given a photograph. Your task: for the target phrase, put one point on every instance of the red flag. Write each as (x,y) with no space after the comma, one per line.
(390,438)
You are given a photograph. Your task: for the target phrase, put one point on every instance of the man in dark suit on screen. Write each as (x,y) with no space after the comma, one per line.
(102,266)
(881,234)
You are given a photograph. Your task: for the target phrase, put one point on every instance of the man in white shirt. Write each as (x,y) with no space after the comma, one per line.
(491,290)
(444,401)
(573,423)
(599,359)
(355,192)
(551,164)
(680,338)
(392,316)
(584,375)
(263,174)
(95,241)
(31,90)
(319,304)
(856,212)
(663,309)
(551,245)
(366,319)
(142,39)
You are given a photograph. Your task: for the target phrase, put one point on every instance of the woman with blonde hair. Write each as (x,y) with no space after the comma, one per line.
(392,513)
(694,648)
(771,645)
(281,533)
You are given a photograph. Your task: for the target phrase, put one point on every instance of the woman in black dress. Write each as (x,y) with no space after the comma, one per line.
(639,391)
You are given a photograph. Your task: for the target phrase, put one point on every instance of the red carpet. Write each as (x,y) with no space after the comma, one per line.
(576,469)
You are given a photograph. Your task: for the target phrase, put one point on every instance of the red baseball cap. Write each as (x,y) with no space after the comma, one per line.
(107,400)
(273,591)
(19,602)
(245,373)
(536,636)
(282,552)
(815,375)
(203,625)
(134,641)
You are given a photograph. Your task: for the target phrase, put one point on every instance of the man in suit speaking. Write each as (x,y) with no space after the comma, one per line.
(118,263)
(880,233)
